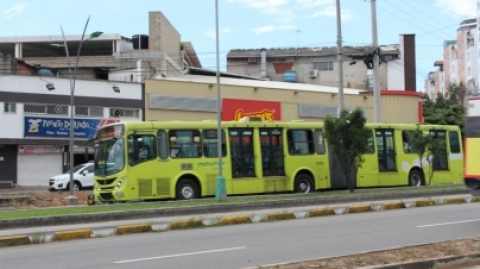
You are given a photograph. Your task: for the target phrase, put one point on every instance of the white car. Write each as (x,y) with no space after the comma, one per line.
(82,178)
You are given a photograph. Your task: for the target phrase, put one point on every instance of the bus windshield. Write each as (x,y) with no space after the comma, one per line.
(109,156)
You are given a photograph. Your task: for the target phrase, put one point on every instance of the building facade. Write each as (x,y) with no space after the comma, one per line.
(193,97)
(35,122)
(319,65)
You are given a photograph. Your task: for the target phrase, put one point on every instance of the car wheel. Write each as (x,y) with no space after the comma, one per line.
(76,186)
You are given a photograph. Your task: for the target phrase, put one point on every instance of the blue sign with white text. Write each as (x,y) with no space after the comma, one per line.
(60,127)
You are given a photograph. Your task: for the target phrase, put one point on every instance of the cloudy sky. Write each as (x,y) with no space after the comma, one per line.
(251,23)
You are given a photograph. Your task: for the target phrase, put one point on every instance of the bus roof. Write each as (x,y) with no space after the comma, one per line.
(209,124)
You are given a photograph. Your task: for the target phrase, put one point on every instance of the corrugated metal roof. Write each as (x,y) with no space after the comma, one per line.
(313,51)
(260,84)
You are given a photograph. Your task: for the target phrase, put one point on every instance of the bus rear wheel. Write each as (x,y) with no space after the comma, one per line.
(187,189)
(303,183)
(415,178)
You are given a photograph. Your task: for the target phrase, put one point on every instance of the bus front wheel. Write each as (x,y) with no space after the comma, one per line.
(187,189)
(303,183)
(415,178)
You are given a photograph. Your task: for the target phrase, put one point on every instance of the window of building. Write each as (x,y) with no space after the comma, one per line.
(9,107)
(276,59)
(300,142)
(323,65)
(89,111)
(45,109)
(185,144)
(124,113)
(210,143)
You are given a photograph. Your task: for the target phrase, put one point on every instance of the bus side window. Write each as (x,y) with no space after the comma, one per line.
(300,142)
(185,144)
(146,151)
(162,144)
(454,143)
(370,145)
(319,142)
(210,142)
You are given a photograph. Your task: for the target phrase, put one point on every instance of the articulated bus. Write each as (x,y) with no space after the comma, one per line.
(179,160)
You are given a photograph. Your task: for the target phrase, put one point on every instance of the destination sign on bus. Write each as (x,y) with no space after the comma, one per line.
(111,131)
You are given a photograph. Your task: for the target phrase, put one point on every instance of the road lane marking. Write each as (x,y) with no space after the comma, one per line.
(448,223)
(181,255)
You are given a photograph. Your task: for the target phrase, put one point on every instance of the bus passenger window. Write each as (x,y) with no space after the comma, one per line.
(454,143)
(370,143)
(210,143)
(300,142)
(185,144)
(162,144)
(319,142)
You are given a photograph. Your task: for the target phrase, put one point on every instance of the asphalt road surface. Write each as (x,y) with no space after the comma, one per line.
(251,245)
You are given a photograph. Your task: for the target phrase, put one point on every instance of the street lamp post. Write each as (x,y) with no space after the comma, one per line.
(72,198)
(220,188)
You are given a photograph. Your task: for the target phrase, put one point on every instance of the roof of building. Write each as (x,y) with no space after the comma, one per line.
(438,63)
(58,38)
(208,72)
(191,54)
(313,51)
(259,84)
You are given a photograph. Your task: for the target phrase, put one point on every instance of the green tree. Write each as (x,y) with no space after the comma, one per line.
(428,149)
(348,137)
(446,109)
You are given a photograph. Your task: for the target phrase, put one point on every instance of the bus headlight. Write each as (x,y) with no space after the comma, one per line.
(120,183)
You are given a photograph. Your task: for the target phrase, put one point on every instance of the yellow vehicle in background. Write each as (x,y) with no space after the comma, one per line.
(178,160)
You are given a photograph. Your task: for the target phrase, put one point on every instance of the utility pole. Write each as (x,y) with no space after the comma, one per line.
(297,41)
(341,104)
(377,109)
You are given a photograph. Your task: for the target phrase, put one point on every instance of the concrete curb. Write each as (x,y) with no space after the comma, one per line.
(280,216)
(71,235)
(130,229)
(185,224)
(217,208)
(439,263)
(235,220)
(15,241)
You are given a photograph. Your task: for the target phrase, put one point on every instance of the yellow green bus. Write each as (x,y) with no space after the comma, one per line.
(178,160)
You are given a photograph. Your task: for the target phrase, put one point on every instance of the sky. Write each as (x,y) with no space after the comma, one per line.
(251,24)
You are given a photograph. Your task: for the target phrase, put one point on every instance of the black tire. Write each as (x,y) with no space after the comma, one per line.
(303,183)
(76,186)
(415,178)
(187,189)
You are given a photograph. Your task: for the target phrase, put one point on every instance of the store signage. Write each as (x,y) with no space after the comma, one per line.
(40,149)
(60,127)
(235,109)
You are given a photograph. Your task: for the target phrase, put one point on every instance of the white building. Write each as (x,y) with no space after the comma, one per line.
(34,120)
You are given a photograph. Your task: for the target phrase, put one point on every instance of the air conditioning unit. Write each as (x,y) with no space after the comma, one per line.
(313,73)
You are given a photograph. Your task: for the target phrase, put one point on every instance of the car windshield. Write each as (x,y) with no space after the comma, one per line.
(76,168)
(109,156)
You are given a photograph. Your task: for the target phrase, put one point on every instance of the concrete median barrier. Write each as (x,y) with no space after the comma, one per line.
(424,203)
(235,220)
(185,224)
(456,200)
(9,241)
(320,212)
(280,216)
(71,235)
(393,205)
(359,209)
(130,229)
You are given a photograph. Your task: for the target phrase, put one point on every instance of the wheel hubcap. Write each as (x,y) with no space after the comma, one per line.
(187,192)
(304,186)
(415,180)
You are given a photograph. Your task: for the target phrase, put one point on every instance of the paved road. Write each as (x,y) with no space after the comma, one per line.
(255,244)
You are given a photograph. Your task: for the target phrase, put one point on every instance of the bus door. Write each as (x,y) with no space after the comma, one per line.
(440,166)
(272,159)
(367,175)
(242,155)
(387,163)
(456,160)
(143,164)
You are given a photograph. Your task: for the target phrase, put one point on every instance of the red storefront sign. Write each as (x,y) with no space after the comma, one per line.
(235,109)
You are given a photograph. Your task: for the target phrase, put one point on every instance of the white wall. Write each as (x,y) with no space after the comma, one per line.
(396,75)
(33,84)
(473,107)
